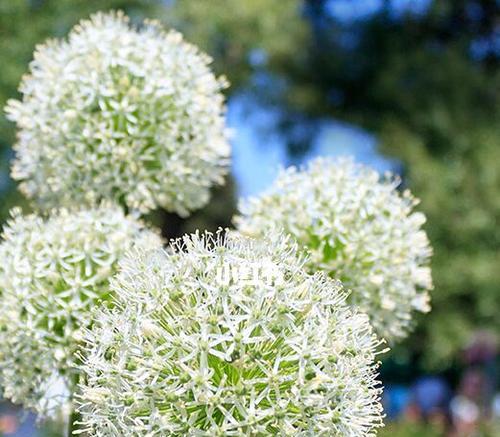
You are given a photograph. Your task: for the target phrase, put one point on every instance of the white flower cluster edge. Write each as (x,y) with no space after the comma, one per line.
(53,273)
(356,227)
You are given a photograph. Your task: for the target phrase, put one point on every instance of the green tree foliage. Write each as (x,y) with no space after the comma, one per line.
(232,30)
(409,429)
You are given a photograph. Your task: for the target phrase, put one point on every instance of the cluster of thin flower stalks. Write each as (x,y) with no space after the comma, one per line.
(271,328)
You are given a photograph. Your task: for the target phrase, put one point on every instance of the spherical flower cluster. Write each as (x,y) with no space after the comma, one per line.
(52,274)
(228,336)
(114,112)
(357,228)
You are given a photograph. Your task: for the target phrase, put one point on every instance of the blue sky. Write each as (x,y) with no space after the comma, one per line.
(348,11)
(259,150)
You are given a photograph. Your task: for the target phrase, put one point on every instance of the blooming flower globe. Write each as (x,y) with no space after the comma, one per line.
(356,227)
(225,335)
(115,112)
(53,273)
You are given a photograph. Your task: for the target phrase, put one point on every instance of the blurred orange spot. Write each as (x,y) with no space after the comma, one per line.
(8,424)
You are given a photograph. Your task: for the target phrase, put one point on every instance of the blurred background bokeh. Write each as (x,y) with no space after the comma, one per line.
(406,86)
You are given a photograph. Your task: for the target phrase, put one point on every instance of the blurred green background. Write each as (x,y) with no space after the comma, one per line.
(411,86)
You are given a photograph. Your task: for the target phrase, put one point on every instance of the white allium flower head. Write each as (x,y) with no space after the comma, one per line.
(356,227)
(228,336)
(53,272)
(115,112)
